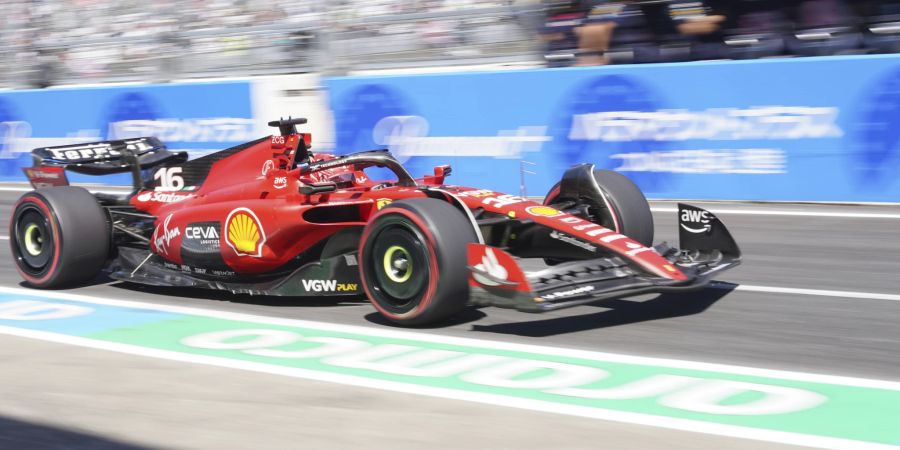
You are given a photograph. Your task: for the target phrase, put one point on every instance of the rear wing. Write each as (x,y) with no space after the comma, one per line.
(100,158)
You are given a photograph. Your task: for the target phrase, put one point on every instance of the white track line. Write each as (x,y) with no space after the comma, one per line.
(472,342)
(775,212)
(816,292)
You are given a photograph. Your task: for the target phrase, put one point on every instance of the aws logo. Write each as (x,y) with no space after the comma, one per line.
(699,221)
(244,233)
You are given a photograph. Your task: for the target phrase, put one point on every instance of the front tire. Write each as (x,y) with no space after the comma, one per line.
(413,261)
(621,208)
(59,237)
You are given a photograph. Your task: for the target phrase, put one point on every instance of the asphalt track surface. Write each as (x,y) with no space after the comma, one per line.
(817,293)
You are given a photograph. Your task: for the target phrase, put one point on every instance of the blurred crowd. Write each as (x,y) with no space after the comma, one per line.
(94,38)
(46,42)
(100,39)
(588,32)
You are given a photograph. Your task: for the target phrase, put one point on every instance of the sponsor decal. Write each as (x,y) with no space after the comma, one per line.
(201,249)
(206,235)
(573,241)
(329,286)
(329,164)
(351,260)
(670,268)
(477,193)
(244,232)
(699,221)
(544,211)
(407,136)
(162,237)
(382,202)
(490,265)
(161,197)
(198,270)
(720,124)
(38,173)
(568,293)
(95,151)
(746,161)
(41,177)
(502,201)
(267,166)
(213,129)
(279,182)
(361,179)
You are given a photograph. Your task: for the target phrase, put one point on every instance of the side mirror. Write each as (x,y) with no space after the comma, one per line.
(317,188)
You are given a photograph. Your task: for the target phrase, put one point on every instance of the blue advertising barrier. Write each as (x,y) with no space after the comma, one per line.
(812,129)
(197,117)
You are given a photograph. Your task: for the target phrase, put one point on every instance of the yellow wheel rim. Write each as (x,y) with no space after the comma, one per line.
(34,242)
(397,264)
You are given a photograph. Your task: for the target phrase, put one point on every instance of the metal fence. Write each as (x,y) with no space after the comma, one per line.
(327,41)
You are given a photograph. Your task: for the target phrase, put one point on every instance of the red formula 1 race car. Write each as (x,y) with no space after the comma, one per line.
(269,217)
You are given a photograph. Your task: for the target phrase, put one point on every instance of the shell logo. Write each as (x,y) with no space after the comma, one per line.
(244,233)
(545,211)
(382,202)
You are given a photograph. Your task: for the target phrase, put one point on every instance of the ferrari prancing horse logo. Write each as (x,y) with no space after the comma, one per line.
(244,233)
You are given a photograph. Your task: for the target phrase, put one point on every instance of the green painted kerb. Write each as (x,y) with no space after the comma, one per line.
(820,409)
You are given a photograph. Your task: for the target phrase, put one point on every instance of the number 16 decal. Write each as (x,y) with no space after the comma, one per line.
(169,179)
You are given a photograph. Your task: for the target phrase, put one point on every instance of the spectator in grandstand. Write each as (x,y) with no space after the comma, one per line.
(630,31)
(756,28)
(700,22)
(823,27)
(47,69)
(560,35)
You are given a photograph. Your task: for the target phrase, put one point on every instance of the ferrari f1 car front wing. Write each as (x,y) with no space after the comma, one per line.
(706,249)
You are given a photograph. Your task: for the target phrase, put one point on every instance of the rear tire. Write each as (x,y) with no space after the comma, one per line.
(59,237)
(413,261)
(624,209)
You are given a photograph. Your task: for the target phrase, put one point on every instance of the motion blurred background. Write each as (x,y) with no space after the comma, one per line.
(50,42)
(704,99)
(721,100)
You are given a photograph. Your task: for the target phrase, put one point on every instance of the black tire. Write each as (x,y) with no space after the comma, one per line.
(412,260)
(625,210)
(59,237)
